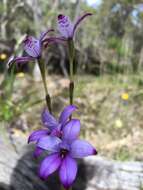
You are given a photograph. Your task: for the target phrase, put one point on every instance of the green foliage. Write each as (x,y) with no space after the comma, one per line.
(114,42)
(11,108)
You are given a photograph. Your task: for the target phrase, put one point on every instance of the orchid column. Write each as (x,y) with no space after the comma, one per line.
(67,30)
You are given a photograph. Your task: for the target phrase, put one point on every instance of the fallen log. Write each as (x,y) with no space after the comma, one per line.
(18,171)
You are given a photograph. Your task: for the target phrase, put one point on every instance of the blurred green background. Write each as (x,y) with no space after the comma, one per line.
(108,66)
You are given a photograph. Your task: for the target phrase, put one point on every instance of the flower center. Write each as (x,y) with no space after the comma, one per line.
(64,149)
(63,152)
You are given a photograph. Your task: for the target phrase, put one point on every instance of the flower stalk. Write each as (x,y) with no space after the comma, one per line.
(71,72)
(67,30)
(42,68)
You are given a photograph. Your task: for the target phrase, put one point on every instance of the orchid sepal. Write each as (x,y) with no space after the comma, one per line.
(18,60)
(67,28)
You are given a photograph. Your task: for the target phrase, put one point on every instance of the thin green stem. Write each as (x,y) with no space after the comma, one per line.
(12,79)
(71,75)
(42,68)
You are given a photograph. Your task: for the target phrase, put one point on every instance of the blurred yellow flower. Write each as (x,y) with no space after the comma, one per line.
(3,56)
(20,75)
(118,123)
(18,133)
(125,96)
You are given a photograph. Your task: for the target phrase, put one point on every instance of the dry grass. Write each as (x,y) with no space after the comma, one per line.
(113,125)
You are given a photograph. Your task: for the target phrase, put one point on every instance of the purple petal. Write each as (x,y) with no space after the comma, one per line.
(81,148)
(17,60)
(38,151)
(65,26)
(49,165)
(10,61)
(71,130)
(67,112)
(79,20)
(43,34)
(49,143)
(48,120)
(32,46)
(64,145)
(23,59)
(53,40)
(36,135)
(68,171)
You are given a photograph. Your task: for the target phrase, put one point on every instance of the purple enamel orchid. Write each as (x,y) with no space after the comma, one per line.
(63,153)
(66,27)
(52,126)
(33,47)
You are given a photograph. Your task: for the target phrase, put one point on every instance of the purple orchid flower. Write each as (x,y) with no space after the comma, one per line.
(63,153)
(52,126)
(33,47)
(66,27)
